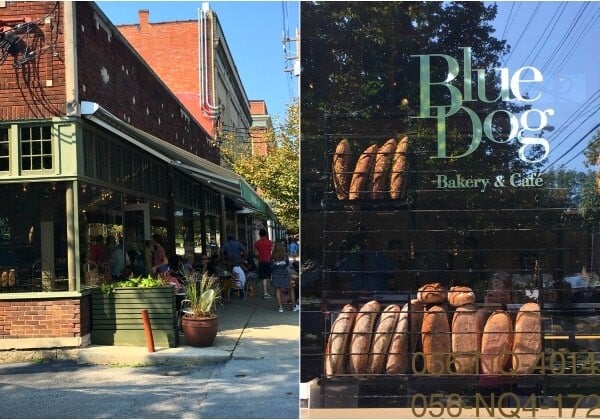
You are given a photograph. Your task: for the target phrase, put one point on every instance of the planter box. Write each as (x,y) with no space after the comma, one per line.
(117,317)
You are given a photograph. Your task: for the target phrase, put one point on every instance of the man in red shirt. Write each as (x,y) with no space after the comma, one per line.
(263,248)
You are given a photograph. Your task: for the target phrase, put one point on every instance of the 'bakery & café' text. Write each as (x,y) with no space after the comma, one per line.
(460,182)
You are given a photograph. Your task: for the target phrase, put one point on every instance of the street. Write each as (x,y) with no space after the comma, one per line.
(232,389)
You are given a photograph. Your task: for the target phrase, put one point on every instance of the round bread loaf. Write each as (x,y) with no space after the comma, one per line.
(496,343)
(362,333)
(437,340)
(527,343)
(460,295)
(336,350)
(362,174)
(466,339)
(381,340)
(341,169)
(12,277)
(432,293)
(4,279)
(405,338)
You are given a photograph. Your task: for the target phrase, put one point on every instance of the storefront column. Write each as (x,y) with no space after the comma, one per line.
(72,237)
(203,222)
(47,244)
(223,218)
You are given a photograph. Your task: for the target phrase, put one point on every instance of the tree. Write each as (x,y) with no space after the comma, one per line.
(275,175)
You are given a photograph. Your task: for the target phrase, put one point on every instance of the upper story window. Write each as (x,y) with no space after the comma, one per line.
(4,150)
(36,147)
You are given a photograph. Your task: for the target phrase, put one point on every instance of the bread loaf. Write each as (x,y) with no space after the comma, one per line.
(498,289)
(405,338)
(399,165)
(527,343)
(460,295)
(359,184)
(436,339)
(362,333)
(380,185)
(336,350)
(341,169)
(4,279)
(466,339)
(496,343)
(381,340)
(12,277)
(432,293)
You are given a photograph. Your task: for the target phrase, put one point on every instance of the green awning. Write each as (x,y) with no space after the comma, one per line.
(253,199)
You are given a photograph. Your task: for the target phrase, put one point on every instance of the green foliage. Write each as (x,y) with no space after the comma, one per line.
(202,296)
(276,175)
(139,281)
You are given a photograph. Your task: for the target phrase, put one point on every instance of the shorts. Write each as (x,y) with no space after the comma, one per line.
(264,270)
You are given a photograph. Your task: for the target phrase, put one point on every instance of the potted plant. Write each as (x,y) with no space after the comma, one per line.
(200,322)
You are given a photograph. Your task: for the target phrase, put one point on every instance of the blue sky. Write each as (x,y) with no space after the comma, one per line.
(253,30)
(561,40)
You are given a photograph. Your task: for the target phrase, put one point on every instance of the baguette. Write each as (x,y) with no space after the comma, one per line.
(399,352)
(336,350)
(527,343)
(341,169)
(496,343)
(362,173)
(360,342)
(460,295)
(380,185)
(432,293)
(437,341)
(466,339)
(381,340)
(399,165)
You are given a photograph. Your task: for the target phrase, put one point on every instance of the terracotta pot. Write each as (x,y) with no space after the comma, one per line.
(200,332)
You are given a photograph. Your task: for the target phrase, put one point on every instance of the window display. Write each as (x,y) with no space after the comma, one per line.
(450,206)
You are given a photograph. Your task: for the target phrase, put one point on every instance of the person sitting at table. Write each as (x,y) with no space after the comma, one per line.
(239,278)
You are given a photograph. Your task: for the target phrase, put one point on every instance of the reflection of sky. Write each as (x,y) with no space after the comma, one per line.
(562,40)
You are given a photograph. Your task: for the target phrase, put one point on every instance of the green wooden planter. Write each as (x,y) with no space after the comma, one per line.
(117,316)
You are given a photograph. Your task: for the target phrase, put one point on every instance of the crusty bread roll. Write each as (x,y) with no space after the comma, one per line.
(460,295)
(436,339)
(4,278)
(336,350)
(432,293)
(359,184)
(380,343)
(496,343)
(362,333)
(12,277)
(399,165)
(398,360)
(341,169)
(498,289)
(466,339)
(527,343)
(380,185)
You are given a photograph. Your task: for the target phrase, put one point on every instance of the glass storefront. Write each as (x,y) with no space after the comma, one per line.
(440,149)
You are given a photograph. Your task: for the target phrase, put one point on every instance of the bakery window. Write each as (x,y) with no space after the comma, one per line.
(36,147)
(4,150)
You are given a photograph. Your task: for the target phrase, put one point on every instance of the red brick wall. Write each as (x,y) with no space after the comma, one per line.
(44,318)
(35,89)
(116,77)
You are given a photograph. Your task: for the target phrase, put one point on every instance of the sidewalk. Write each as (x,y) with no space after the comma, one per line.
(248,329)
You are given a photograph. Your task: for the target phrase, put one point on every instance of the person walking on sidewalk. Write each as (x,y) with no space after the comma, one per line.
(281,276)
(263,249)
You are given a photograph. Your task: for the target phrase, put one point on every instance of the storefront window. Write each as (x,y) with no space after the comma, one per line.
(4,150)
(36,147)
(33,240)
(446,145)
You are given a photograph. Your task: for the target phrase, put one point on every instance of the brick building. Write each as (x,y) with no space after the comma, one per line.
(92,142)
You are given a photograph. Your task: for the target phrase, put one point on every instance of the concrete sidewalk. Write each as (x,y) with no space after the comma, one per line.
(250,328)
